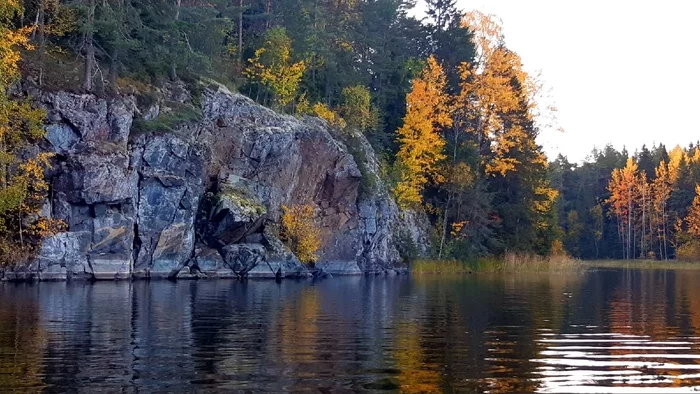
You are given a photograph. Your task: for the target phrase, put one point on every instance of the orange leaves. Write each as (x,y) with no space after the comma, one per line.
(487,31)
(623,188)
(662,186)
(427,110)
(693,218)
(10,40)
(494,104)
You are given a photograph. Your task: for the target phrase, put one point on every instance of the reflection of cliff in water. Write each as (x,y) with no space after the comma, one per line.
(501,333)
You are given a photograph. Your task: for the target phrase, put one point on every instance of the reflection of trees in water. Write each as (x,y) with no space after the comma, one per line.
(652,302)
(22,341)
(660,303)
(479,333)
(416,374)
(419,334)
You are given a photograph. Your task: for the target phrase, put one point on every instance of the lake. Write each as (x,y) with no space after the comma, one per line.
(612,330)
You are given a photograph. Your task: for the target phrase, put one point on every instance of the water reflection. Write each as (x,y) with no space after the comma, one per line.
(614,330)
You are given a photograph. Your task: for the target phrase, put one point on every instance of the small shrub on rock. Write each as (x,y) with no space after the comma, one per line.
(300,232)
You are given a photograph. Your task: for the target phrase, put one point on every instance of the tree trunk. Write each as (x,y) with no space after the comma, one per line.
(173,67)
(449,195)
(19,224)
(629,223)
(644,205)
(89,47)
(240,34)
(665,231)
(41,36)
(114,69)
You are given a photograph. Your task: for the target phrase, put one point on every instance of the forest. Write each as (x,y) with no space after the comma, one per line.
(445,103)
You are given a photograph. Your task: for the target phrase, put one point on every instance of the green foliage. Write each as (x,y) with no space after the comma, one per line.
(406,246)
(467,154)
(370,180)
(177,115)
(357,108)
(660,198)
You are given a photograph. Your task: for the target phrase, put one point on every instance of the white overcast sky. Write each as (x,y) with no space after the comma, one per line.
(620,72)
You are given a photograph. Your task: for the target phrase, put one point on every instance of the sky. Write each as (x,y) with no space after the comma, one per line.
(619,71)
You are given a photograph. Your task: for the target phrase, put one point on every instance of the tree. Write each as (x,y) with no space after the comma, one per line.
(357,107)
(273,68)
(300,232)
(22,184)
(661,191)
(427,110)
(597,215)
(450,40)
(693,218)
(623,189)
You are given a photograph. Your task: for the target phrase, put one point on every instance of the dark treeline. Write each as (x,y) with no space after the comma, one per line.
(252,45)
(617,205)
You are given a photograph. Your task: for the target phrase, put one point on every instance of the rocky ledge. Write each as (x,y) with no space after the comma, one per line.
(204,199)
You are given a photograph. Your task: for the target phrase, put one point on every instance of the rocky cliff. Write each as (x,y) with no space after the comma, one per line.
(205,198)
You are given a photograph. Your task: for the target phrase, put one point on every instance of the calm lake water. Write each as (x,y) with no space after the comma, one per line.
(604,331)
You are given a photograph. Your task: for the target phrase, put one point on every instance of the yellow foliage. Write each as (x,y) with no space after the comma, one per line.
(457,228)
(300,232)
(427,110)
(324,112)
(491,91)
(689,251)
(693,218)
(558,248)
(272,67)
(357,107)
(675,156)
(22,184)
(487,31)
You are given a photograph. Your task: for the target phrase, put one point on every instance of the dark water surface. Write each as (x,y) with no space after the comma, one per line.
(608,330)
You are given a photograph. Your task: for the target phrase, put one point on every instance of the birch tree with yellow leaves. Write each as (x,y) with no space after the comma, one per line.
(22,184)
(495,110)
(272,67)
(421,143)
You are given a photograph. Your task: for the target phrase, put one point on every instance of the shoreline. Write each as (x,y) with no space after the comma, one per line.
(33,277)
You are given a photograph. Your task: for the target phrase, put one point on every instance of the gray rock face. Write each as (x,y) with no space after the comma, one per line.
(200,200)
(169,189)
(237,212)
(242,258)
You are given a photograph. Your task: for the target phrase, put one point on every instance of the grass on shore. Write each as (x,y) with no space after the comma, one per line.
(511,263)
(514,263)
(644,264)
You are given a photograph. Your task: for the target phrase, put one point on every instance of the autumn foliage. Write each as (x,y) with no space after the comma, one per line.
(427,110)
(300,231)
(272,67)
(22,185)
(468,153)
